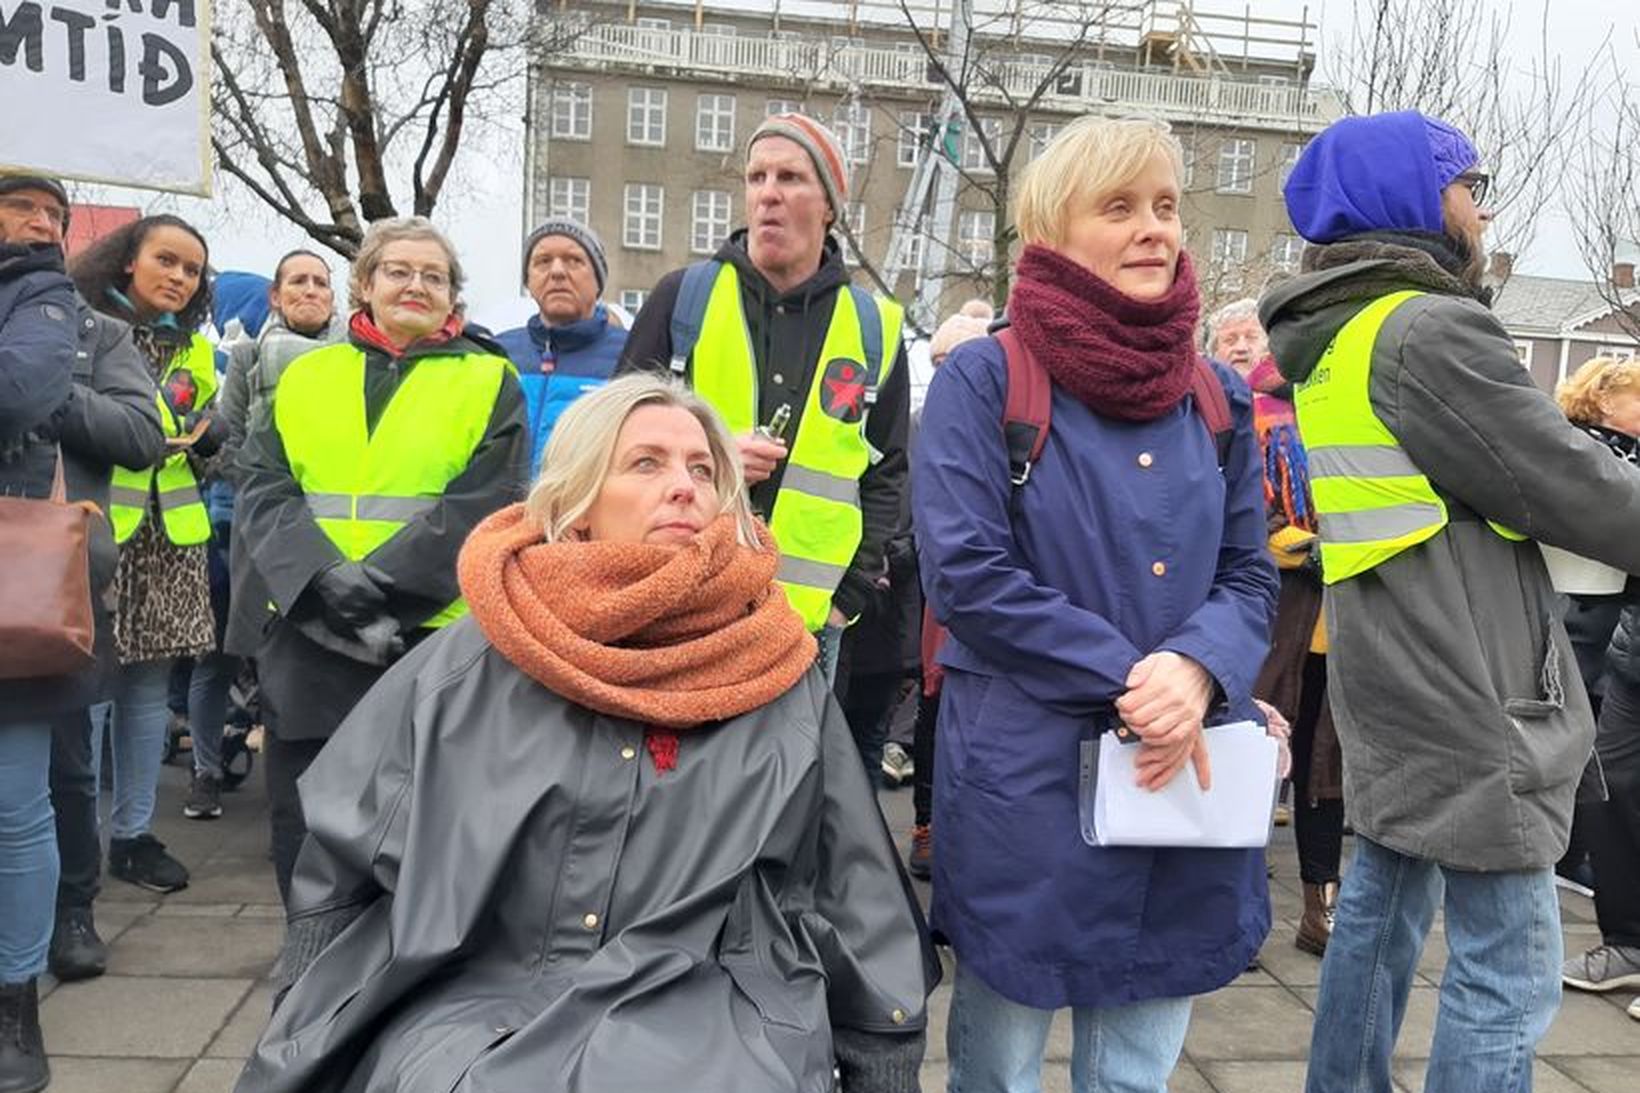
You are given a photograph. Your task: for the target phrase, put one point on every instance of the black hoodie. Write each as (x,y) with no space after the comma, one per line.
(787,332)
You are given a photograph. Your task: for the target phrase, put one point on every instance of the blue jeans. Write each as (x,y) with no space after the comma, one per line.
(208,688)
(28,850)
(1499,993)
(141,715)
(996,1046)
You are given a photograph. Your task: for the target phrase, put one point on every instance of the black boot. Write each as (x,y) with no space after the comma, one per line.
(76,950)
(23,1066)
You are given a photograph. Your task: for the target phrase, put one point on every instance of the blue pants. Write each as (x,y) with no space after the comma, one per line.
(141,715)
(1499,993)
(28,850)
(995,1045)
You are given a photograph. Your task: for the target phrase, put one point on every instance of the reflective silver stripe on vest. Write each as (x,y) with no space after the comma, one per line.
(1360,461)
(820,484)
(127,495)
(1377,525)
(340,506)
(810,574)
(179,498)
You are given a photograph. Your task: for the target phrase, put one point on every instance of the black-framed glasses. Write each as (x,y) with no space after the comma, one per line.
(1479,183)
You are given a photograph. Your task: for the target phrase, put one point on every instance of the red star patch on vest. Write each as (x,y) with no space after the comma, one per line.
(845,390)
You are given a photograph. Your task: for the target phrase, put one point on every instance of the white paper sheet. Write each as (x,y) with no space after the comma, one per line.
(1236,812)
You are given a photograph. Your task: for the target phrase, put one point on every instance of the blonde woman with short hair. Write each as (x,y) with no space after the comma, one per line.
(610,832)
(1118,581)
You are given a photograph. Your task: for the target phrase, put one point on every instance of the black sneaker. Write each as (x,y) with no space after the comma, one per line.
(23,1067)
(205,799)
(76,950)
(142,861)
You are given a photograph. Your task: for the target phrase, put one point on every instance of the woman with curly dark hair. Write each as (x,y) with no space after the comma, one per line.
(151,273)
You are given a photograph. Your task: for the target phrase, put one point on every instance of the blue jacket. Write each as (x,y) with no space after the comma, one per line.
(1049,608)
(38,327)
(558,364)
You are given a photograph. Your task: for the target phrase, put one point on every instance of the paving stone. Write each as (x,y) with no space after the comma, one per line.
(178,909)
(939,1009)
(1248,1023)
(212,1076)
(79,1075)
(1285,963)
(1409,1075)
(232,948)
(274,911)
(238,1038)
(1187,1079)
(226,878)
(1588,1025)
(1264,1077)
(139,1017)
(1608,1074)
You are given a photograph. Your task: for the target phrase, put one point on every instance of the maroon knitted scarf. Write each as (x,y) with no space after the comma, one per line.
(1124,358)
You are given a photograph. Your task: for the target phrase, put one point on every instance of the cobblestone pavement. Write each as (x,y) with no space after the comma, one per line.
(185,996)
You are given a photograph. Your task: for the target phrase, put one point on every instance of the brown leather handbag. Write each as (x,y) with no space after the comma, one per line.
(46,623)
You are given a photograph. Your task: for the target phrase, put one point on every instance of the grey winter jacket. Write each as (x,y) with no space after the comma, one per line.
(501,891)
(254,368)
(1456,694)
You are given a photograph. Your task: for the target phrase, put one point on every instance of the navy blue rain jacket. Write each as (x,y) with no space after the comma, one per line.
(39,325)
(1110,556)
(558,364)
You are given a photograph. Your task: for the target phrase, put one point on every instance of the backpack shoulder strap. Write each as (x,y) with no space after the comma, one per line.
(689,311)
(1213,407)
(1028,413)
(871,332)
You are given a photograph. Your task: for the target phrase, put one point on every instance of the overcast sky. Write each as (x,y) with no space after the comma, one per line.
(482,205)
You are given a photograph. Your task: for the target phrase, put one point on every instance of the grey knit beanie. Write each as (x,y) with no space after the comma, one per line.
(823,148)
(583,236)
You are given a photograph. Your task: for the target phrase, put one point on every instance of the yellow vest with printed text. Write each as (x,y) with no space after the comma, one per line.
(1372,499)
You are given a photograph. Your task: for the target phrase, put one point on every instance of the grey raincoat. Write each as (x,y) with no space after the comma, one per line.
(1454,689)
(501,892)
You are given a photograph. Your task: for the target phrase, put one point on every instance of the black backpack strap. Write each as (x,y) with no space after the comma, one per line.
(1028,413)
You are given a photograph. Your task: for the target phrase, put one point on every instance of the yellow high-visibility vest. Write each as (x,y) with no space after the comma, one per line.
(172,483)
(362,486)
(1372,500)
(816,520)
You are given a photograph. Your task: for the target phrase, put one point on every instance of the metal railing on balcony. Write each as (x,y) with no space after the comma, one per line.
(847,65)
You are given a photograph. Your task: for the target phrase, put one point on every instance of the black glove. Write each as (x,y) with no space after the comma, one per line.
(353,595)
(215,435)
(1311,566)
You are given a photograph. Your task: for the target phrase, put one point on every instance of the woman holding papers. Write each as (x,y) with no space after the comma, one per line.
(1123,581)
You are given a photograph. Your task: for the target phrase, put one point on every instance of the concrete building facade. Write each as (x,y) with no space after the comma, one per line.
(638,124)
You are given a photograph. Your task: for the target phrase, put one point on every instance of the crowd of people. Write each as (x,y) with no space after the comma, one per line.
(575,648)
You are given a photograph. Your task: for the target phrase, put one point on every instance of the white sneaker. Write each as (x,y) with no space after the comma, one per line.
(1634,1009)
(898,766)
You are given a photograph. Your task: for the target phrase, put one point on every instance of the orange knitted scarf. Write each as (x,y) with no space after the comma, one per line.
(669,636)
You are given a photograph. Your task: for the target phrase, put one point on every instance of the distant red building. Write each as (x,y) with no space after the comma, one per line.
(88,223)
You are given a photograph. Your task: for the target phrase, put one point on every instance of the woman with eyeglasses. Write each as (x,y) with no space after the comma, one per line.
(363,470)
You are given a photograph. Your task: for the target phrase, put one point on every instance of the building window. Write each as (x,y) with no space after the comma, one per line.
(1236,167)
(641,226)
(632,299)
(1523,350)
(570,197)
(852,125)
(1285,252)
(1289,160)
(912,139)
(782,106)
(1229,256)
(1188,154)
(976,236)
(1041,135)
(855,215)
(646,116)
(571,112)
(709,215)
(715,123)
(917,244)
(1619,352)
(973,154)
